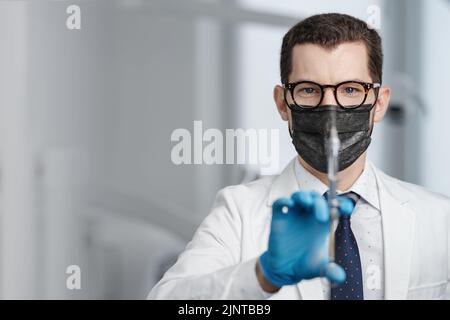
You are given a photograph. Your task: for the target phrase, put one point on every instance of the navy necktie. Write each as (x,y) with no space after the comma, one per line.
(347,256)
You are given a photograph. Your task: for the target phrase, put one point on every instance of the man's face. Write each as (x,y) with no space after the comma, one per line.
(348,61)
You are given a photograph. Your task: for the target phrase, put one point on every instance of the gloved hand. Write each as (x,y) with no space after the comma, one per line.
(298,241)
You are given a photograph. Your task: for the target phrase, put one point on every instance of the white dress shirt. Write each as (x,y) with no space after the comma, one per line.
(365,224)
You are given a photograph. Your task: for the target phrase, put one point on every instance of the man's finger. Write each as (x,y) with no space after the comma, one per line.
(320,209)
(282,206)
(345,206)
(303,199)
(334,273)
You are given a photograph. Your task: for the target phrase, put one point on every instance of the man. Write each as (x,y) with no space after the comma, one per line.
(270,238)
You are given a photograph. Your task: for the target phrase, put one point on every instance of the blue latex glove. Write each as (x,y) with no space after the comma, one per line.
(298,241)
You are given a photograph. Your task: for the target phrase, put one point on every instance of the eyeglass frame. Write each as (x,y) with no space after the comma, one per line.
(367,86)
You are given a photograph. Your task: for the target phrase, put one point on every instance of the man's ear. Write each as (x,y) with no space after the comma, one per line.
(382,104)
(278,96)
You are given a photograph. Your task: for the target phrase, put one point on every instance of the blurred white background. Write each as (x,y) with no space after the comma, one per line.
(86,118)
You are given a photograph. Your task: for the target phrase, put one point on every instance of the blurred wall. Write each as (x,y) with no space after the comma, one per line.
(434,70)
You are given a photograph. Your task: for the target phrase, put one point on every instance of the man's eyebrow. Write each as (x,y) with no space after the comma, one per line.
(357,80)
(303,79)
(347,80)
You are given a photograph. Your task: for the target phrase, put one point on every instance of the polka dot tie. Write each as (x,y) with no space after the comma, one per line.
(347,256)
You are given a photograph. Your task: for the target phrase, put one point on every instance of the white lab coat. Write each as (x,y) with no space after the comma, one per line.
(219,262)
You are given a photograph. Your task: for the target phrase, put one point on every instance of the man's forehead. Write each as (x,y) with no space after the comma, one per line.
(346,61)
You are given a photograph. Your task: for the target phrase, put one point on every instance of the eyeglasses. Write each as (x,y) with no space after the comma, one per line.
(348,94)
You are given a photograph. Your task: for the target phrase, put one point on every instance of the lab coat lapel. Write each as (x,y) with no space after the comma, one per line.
(398,232)
(284,185)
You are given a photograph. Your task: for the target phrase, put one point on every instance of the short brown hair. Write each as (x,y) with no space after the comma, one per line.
(329,30)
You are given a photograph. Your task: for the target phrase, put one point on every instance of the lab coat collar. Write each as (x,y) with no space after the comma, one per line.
(398,231)
(284,184)
(398,222)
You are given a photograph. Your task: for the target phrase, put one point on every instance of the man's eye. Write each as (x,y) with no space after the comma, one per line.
(351,90)
(308,90)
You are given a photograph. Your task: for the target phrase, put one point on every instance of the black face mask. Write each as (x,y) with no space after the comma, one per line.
(310,130)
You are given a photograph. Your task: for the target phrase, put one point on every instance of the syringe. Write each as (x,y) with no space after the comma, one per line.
(333,145)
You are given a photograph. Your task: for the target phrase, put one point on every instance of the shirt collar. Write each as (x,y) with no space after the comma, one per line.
(307,181)
(365,186)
